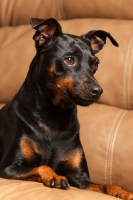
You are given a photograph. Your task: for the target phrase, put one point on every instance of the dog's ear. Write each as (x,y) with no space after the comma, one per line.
(46,30)
(97,39)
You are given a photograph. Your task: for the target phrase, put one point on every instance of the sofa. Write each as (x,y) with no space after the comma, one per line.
(106,127)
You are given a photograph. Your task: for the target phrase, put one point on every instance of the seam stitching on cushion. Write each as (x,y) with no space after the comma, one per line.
(129,78)
(11,22)
(126,74)
(113,144)
(107,158)
(60,3)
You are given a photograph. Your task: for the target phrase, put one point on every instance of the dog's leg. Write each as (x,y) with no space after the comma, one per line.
(42,174)
(77,174)
(111,190)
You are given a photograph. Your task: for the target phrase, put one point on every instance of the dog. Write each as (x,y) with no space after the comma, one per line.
(39,129)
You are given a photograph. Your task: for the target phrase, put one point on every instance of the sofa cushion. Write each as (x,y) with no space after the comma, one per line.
(23,190)
(106,135)
(18,12)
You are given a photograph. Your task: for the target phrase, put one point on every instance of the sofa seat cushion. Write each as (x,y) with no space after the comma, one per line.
(23,190)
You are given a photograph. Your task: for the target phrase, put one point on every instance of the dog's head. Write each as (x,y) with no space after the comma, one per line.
(69,62)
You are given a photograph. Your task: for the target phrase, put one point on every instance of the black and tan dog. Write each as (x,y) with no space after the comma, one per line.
(39,129)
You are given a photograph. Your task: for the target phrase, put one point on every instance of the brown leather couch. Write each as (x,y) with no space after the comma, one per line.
(106,127)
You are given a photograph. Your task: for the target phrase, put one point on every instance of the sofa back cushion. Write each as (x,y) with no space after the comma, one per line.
(18,12)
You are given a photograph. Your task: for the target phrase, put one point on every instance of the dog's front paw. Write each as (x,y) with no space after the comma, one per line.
(57,181)
(118,192)
(51,179)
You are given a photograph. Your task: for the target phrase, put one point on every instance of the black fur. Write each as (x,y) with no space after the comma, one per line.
(39,127)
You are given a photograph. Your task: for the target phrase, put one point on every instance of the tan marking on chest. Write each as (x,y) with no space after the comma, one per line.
(28,149)
(74,159)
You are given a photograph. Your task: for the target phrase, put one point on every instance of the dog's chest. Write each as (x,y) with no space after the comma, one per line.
(49,149)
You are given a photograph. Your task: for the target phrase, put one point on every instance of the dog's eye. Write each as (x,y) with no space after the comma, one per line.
(95,64)
(69,61)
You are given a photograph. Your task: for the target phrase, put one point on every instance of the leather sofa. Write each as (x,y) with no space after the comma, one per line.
(106,126)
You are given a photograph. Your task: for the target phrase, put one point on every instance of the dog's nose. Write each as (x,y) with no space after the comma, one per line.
(96,91)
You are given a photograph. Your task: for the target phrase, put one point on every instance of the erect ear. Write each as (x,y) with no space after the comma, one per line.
(46,30)
(98,39)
